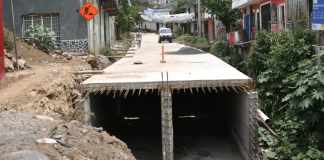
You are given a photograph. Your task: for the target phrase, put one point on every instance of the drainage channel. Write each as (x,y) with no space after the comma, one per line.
(206,125)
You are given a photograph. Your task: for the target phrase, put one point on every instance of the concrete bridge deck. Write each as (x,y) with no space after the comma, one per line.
(187,68)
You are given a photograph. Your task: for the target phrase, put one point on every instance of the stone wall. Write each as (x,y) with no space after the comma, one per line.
(78,45)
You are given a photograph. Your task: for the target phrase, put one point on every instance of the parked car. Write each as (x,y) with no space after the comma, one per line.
(165,34)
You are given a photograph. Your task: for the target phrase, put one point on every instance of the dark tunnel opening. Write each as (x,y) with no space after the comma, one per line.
(203,123)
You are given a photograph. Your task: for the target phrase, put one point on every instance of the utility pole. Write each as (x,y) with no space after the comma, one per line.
(14,32)
(199,18)
(2,56)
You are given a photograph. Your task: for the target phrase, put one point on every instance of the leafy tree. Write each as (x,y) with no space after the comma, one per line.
(128,16)
(223,10)
(180,6)
(290,84)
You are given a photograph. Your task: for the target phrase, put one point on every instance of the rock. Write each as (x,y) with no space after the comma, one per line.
(24,155)
(138,62)
(58,51)
(99,62)
(46,141)
(21,63)
(8,55)
(9,65)
(67,55)
(45,118)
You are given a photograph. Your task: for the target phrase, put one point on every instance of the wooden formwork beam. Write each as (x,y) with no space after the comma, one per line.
(167,124)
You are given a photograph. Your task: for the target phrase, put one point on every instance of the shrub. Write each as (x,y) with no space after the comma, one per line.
(194,41)
(106,51)
(200,42)
(290,84)
(42,37)
(8,40)
(229,54)
(185,38)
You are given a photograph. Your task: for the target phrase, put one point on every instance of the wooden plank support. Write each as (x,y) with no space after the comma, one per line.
(167,124)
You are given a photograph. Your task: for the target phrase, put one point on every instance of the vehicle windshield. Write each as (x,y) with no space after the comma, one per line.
(165,30)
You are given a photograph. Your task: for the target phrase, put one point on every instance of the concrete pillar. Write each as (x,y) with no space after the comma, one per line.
(90,34)
(102,29)
(96,30)
(254,149)
(87,110)
(167,124)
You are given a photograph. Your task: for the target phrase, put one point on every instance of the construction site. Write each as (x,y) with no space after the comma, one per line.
(93,97)
(187,104)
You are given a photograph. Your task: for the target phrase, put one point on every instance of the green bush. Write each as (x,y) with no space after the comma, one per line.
(185,38)
(8,40)
(200,42)
(194,41)
(106,51)
(229,54)
(290,84)
(43,38)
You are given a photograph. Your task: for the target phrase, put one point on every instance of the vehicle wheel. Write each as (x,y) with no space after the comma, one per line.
(170,40)
(160,40)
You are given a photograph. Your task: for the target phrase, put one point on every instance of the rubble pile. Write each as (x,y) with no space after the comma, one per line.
(99,62)
(48,138)
(11,63)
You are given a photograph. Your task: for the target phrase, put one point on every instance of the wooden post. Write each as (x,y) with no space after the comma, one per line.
(2,65)
(162,54)
(167,124)
(14,32)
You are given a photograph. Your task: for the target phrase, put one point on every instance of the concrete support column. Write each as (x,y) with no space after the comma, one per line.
(87,110)
(254,149)
(167,124)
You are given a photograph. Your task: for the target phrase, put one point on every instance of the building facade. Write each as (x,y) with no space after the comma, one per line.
(271,15)
(61,17)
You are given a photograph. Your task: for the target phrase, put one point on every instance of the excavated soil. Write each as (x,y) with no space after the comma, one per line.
(50,88)
(20,133)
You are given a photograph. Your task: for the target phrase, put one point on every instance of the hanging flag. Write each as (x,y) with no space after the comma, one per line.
(88,11)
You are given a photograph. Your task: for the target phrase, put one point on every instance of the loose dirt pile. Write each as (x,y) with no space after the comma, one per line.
(23,133)
(50,87)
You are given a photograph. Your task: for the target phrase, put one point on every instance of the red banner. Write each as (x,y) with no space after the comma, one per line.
(2,66)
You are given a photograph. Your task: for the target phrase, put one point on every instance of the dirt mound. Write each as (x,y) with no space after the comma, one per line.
(24,133)
(49,90)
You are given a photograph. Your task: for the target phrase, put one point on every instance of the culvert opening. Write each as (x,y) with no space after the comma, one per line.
(203,122)
(134,119)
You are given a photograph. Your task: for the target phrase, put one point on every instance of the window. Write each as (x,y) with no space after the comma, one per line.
(266,16)
(50,21)
(281,17)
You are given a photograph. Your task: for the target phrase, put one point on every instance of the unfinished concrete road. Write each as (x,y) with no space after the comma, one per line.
(183,64)
(194,106)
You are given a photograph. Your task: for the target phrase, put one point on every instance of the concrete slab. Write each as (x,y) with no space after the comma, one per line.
(185,67)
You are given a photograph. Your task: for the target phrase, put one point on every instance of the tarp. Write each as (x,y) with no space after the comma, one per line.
(163,16)
(244,3)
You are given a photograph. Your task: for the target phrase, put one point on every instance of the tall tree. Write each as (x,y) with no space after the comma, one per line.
(223,10)
(179,6)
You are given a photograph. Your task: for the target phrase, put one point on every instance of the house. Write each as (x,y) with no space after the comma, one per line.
(271,15)
(72,31)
